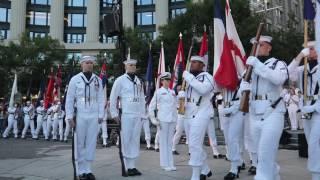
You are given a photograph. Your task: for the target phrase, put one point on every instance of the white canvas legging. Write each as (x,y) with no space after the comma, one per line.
(166,135)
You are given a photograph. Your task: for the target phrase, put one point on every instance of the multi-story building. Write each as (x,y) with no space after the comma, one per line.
(78,23)
(279,14)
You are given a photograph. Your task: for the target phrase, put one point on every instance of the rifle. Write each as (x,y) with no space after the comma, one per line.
(123,168)
(244,102)
(74,150)
(181,109)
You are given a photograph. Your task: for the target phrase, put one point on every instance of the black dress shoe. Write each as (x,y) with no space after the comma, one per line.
(252,170)
(209,174)
(231,176)
(82,177)
(243,166)
(219,156)
(149,148)
(203,177)
(90,176)
(175,153)
(136,172)
(66,141)
(130,172)
(157,150)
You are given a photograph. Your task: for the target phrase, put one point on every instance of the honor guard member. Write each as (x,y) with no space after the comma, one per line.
(128,91)
(164,102)
(58,121)
(86,101)
(266,108)
(49,117)
(233,129)
(198,111)
(311,120)
(28,112)
(40,111)
(12,121)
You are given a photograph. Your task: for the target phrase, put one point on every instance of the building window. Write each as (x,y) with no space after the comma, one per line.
(77,20)
(77,3)
(76,38)
(33,35)
(145,18)
(148,35)
(4,34)
(177,12)
(144,2)
(39,18)
(173,1)
(107,3)
(74,56)
(4,15)
(104,39)
(42,2)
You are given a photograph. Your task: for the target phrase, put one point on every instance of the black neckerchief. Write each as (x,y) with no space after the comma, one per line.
(87,75)
(196,73)
(312,64)
(263,58)
(131,77)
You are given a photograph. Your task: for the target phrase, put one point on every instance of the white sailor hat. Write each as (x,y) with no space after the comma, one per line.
(28,102)
(310,44)
(219,97)
(41,101)
(297,90)
(197,58)
(87,58)
(130,61)
(165,75)
(267,39)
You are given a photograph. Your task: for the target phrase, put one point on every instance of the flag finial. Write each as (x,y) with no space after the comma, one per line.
(204,28)
(150,45)
(180,35)
(162,44)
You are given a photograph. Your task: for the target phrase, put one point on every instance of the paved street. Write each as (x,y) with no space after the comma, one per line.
(42,160)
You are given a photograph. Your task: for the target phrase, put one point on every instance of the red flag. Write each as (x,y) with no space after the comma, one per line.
(49,93)
(179,65)
(161,66)
(204,49)
(57,85)
(226,74)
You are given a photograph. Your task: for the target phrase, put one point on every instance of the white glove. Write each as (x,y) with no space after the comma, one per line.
(252,60)
(181,94)
(229,110)
(185,73)
(155,121)
(245,86)
(305,52)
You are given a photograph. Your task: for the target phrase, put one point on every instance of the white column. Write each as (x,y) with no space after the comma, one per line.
(57,19)
(162,14)
(128,13)
(18,19)
(93,19)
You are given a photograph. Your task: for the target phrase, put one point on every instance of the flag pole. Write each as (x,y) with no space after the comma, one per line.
(305,62)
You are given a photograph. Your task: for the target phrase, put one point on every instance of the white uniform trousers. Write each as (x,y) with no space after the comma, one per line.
(41,124)
(87,132)
(211,131)
(312,132)
(130,138)
(198,156)
(234,131)
(292,111)
(157,138)
(182,125)
(58,123)
(66,130)
(28,122)
(103,127)
(166,135)
(49,127)
(266,136)
(12,123)
(146,130)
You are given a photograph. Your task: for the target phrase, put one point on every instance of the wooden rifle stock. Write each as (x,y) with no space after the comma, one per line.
(244,102)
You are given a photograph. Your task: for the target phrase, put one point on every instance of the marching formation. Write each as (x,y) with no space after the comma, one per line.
(251,96)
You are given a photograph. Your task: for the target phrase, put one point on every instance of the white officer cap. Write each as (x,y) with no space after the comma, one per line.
(130,61)
(219,97)
(87,58)
(28,102)
(267,39)
(41,101)
(197,58)
(310,44)
(165,75)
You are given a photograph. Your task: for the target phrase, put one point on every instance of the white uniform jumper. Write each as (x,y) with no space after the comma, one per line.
(132,100)
(28,112)
(198,111)
(266,123)
(89,100)
(311,126)
(12,122)
(49,122)
(165,101)
(58,122)
(40,121)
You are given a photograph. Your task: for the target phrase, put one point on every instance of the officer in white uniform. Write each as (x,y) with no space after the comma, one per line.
(311,123)
(58,115)
(293,102)
(128,89)
(28,112)
(40,120)
(164,102)
(85,93)
(268,76)
(198,111)
(12,122)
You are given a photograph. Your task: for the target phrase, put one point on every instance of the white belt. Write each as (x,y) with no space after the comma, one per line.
(131,99)
(83,99)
